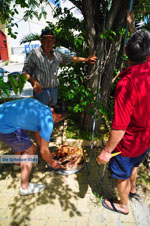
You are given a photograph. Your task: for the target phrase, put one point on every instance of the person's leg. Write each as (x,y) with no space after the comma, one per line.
(27,188)
(17,165)
(22,145)
(26,166)
(37,138)
(121,168)
(133,180)
(125,170)
(123,187)
(135,172)
(53,93)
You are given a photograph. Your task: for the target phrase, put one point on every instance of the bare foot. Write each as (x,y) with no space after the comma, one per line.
(115,206)
(133,191)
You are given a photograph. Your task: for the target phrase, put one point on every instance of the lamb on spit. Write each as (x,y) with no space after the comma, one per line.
(68,156)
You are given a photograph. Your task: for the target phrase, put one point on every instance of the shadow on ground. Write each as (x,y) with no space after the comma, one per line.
(62,192)
(59,194)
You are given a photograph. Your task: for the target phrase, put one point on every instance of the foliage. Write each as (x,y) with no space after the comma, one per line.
(83,37)
(73,90)
(6,62)
(4,87)
(9,8)
(75,132)
(98,198)
(30,37)
(15,82)
(142,11)
(69,31)
(108,34)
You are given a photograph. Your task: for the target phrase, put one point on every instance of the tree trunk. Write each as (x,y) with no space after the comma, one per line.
(97,14)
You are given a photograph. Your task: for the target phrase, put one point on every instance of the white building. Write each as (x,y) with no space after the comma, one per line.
(16,51)
(10,48)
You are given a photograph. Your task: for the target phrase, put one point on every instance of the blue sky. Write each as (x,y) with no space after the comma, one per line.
(53,1)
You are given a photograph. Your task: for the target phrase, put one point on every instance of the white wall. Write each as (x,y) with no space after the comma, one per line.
(33,26)
(26,27)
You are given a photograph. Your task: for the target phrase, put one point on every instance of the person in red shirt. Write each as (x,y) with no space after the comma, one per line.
(130,132)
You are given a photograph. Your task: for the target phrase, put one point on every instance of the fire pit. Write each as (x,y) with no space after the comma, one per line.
(70,158)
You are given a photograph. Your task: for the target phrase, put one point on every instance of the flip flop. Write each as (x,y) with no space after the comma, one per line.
(132,195)
(113,207)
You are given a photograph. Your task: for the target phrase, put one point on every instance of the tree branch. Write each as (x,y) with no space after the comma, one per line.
(77,3)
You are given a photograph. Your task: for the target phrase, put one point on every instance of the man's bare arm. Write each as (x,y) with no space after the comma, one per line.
(35,84)
(46,155)
(114,139)
(91,59)
(29,78)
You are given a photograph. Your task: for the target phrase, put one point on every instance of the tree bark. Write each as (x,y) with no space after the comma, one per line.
(96,15)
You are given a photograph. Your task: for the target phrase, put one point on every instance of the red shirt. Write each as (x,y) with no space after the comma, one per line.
(132,110)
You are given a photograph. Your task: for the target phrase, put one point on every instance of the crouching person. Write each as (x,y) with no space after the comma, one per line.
(27,114)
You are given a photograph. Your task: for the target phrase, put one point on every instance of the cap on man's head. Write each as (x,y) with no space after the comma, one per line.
(47,33)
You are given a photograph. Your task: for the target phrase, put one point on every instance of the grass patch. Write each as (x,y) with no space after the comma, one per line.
(6,63)
(74,132)
(98,197)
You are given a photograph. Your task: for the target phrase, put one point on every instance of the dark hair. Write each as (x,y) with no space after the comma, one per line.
(46,32)
(138,46)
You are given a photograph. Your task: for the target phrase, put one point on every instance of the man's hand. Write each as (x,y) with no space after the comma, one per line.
(114,139)
(130,21)
(54,164)
(91,59)
(46,154)
(103,157)
(130,17)
(37,87)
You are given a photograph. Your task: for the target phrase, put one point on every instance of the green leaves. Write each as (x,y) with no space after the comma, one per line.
(17,82)
(78,42)
(30,37)
(4,88)
(21,81)
(108,35)
(9,8)
(74,92)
